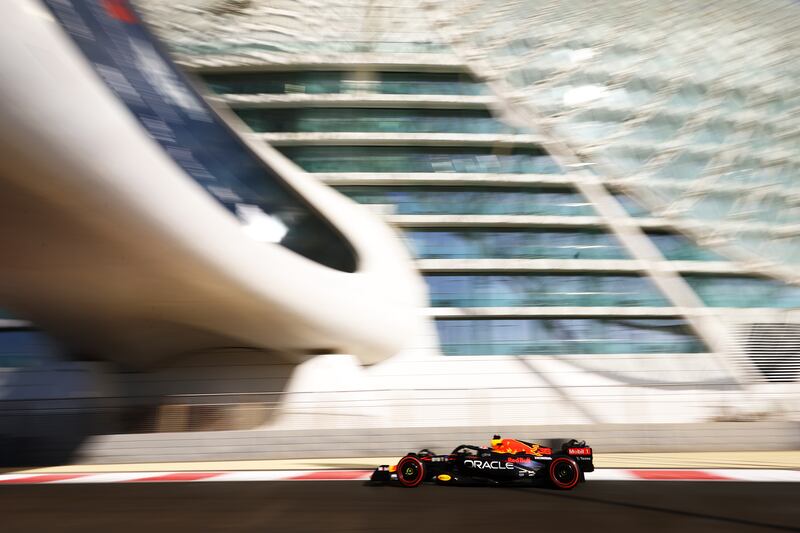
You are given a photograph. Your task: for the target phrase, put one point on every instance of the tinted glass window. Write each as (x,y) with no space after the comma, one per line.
(531,290)
(322,82)
(428,83)
(566,336)
(633,207)
(513,244)
(474,200)
(275,82)
(25,348)
(740,291)
(679,248)
(421,159)
(311,119)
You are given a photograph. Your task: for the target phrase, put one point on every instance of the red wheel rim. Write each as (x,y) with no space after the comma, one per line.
(557,470)
(410,471)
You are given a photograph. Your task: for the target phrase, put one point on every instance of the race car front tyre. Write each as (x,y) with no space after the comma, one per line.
(564,473)
(410,471)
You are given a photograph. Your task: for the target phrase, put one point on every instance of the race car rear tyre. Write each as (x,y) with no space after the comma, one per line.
(410,471)
(564,473)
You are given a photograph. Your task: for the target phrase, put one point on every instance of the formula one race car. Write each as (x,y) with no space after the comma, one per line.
(506,461)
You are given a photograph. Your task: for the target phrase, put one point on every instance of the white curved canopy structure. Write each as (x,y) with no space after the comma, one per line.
(109,242)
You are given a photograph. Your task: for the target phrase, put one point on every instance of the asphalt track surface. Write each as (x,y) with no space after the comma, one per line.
(334,506)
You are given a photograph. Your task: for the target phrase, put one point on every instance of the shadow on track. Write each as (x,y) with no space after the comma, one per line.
(643,507)
(347,506)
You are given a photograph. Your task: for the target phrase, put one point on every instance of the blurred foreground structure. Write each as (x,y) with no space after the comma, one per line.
(601,198)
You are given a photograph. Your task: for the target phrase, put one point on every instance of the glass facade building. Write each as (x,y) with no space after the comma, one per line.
(499,221)
(562,286)
(689,108)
